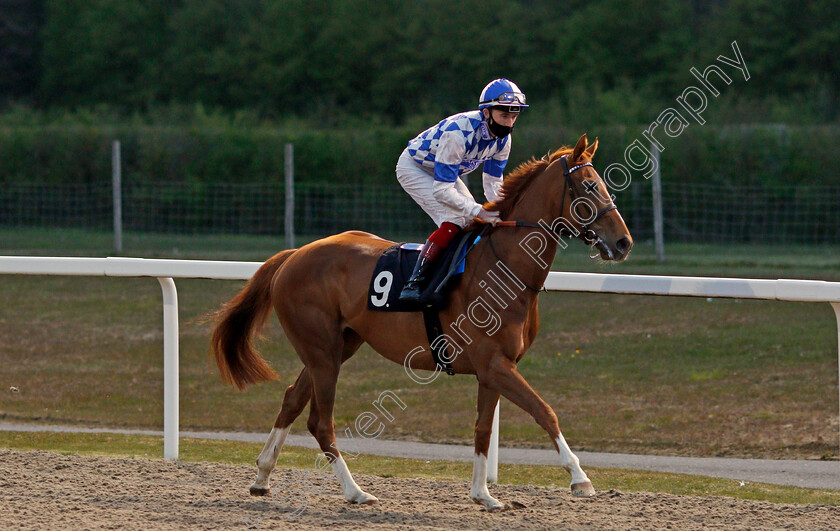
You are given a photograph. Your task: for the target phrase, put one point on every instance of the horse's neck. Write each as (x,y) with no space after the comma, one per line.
(527,252)
(540,201)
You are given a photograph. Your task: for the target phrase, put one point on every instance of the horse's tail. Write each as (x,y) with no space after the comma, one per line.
(239,321)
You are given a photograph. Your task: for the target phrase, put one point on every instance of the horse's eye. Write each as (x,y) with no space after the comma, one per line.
(586,207)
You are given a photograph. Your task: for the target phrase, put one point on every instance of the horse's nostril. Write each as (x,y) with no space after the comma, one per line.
(623,245)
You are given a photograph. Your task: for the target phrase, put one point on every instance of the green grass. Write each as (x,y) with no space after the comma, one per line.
(80,242)
(238,453)
(639,374)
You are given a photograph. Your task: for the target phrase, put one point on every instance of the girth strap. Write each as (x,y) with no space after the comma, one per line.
(434,329)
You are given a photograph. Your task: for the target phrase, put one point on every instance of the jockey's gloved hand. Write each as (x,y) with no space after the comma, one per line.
(489,216)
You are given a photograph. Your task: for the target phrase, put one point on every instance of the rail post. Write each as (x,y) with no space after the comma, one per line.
(170,368)
(836,307)
(493,450)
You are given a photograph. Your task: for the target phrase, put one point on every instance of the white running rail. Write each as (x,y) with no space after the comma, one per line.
(167,270)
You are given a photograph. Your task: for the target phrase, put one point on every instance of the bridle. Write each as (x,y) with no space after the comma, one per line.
(586,234)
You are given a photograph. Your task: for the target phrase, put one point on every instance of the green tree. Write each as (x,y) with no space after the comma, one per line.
(790,49)
(390,60)
(20,23)
(104,51)
(209,59)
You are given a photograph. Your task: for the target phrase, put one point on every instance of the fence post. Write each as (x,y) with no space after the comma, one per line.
(116,185)
(836,307)
(290,195)
(170,368)
(657,207)
(493,449)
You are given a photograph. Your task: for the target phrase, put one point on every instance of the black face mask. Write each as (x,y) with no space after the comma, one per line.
(499,130)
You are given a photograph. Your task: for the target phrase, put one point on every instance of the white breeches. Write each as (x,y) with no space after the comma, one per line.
(419,183)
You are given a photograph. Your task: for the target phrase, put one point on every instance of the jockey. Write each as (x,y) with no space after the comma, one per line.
(430,167)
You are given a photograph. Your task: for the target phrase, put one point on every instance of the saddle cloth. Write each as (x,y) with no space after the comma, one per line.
(396,264)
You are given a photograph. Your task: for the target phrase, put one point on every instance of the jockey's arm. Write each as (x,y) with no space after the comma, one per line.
(451,152)
(492,185)
(446,193)
(493,172)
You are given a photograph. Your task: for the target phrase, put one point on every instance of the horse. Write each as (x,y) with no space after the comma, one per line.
(319,294)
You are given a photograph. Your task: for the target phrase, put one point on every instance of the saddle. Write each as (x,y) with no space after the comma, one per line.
(393,270)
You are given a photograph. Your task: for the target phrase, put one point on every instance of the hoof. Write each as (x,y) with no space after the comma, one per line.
(363,498)
(491,505)
(583,490)
(259,491)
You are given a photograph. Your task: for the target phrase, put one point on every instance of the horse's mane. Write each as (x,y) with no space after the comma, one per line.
(521,177)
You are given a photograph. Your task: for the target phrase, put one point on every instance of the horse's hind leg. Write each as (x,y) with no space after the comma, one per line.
(487,400)
(324,379)
(313,325)
(297,395)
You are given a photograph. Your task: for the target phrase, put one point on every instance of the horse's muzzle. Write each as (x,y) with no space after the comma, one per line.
(616,253)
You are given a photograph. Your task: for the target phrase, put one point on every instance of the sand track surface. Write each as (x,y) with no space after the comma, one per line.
(45,490)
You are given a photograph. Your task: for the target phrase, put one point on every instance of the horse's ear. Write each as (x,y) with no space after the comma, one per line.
(579,147)
(590,151)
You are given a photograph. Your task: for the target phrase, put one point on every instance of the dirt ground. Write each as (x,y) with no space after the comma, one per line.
(45,490)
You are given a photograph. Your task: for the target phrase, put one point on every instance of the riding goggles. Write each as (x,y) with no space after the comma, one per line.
(514,100)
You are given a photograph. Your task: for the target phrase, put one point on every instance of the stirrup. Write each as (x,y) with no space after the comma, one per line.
(410,292)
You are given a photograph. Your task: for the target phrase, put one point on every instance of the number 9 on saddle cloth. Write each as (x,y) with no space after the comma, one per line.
(394,268)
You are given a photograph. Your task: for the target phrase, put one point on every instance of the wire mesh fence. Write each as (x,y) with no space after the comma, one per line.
(78,205)
(696,213)
(692,213)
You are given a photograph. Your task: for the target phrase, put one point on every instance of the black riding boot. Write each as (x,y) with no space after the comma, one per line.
(411,290)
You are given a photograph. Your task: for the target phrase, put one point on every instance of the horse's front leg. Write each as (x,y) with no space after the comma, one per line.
(487,400)
(502,376)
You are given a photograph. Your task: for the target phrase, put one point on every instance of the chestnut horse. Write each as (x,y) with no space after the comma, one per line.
(320,293)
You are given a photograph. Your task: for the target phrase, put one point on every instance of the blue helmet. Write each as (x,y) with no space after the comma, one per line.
(502,93)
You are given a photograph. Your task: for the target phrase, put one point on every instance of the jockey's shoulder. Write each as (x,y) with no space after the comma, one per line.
(466,116)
